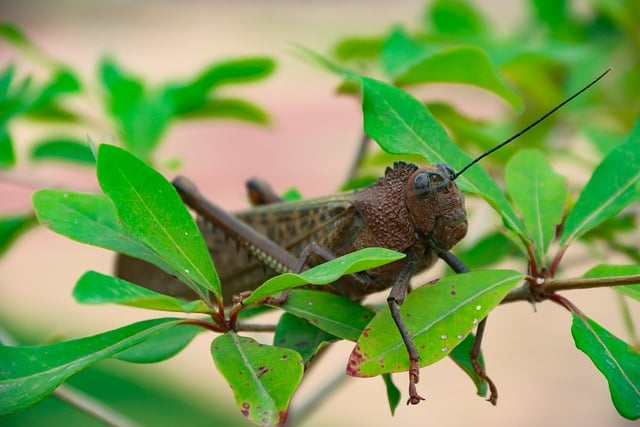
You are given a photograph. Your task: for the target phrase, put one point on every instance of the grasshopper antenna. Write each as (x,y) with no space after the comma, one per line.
(532,125)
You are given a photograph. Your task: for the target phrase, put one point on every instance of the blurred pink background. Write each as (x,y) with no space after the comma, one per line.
(542,378)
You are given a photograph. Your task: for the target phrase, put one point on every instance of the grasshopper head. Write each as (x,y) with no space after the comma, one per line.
(436,205)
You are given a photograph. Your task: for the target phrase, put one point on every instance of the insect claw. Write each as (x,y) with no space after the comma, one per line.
(493,390)
(415,399)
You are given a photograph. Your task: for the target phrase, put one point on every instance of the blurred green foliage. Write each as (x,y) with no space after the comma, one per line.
(551,55)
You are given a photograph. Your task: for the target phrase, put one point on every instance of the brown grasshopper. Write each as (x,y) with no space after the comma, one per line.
(419,211)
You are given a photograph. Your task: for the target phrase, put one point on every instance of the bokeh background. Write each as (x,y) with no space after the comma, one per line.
(542,378)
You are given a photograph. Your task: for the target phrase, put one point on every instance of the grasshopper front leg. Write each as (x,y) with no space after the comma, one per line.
(394,300)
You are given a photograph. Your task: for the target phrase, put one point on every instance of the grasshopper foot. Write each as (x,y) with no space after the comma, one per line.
(493,390)
(274,301)
(414,378)
(277,301)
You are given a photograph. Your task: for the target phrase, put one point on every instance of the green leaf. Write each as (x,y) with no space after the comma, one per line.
(124,90)
(407,62)
(393,393)
(461,355)
(297,334)
(236,71)
(605,270)
(487,250)
(98,288)
(263,378)
(142,118)
(64,81)
(632,291)
(7,154)
(15,98)
(143,127)
(459,64)
(151,209)
(612,187)
(400,52)
(29,374)
(468,131)
(6,77)
(13,226)
(617,361)
(358,49)
(54,112)
(610,270)
(456,18)
(63,149)
(162,346)
(326,273)
(401,124)
(14,35)
(438,318)
(254,310)
(292,195)
(90,219)
(193,98)
(227,108)
(334,314)
(601,137)
(553,13)
(540,194)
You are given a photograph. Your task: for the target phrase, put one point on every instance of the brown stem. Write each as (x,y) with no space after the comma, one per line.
(233,314)
(533,264)
(556,261)
(363,145)
(254,327)
(524,292)
(521,293)
(559,299)
(204,324)
(554,285)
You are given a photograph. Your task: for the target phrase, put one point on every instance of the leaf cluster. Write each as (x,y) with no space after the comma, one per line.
(138,113)
(141,215)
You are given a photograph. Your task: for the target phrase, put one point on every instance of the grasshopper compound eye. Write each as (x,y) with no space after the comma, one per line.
(426,182)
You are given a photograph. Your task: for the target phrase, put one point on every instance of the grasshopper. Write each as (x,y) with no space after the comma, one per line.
(419,211)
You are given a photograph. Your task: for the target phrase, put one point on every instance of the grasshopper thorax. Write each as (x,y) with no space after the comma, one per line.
(436,206)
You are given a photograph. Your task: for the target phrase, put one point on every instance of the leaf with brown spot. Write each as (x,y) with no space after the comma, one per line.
(436,319)
(263,378)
